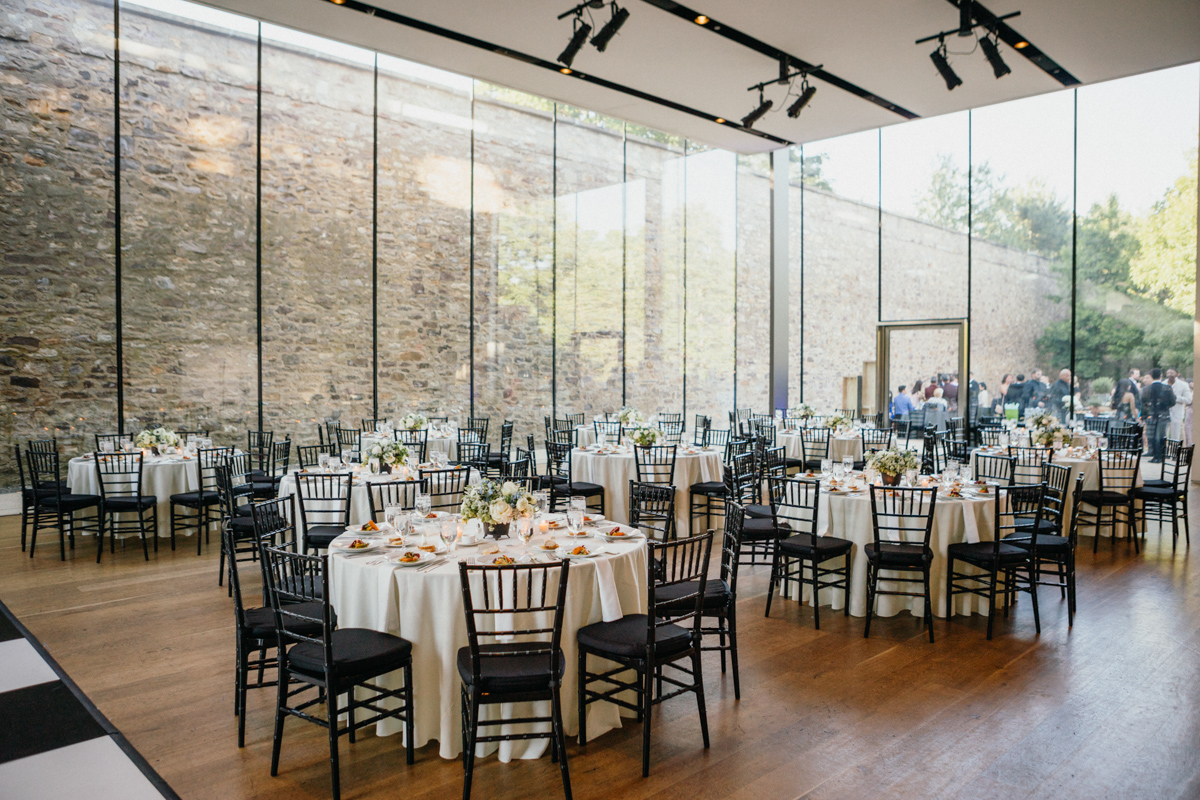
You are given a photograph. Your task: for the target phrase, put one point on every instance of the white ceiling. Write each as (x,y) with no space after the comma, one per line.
(866,42)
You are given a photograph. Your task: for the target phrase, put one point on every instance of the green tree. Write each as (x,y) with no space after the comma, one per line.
(1106,245)
(811,170)
(1101,348)
(1164,268)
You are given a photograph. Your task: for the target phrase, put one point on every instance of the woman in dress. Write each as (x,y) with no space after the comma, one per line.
(1127,404)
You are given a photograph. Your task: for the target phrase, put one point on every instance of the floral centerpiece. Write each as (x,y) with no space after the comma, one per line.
(837,422)
(1072,404)
(803,411)
(1047,436)
(1043,419)
(497,505)
(892,463)
(629,416)
(389,454)
(156,439)
(413,422)
(645,436)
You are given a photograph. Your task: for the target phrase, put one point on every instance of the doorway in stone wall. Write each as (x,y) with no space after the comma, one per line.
(934,350)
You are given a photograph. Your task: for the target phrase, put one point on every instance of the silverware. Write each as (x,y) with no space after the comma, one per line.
(431,565)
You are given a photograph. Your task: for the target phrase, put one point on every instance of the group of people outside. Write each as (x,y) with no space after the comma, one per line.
(1160,400)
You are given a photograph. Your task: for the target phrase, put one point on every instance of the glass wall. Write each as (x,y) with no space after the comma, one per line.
(590,266)
(1021,174)
(187,215)
(317,136)
(514,257)
(710,301)
(753,216)
(423,240)
(1136,245)
(654,167)
(58,367)
(839,211)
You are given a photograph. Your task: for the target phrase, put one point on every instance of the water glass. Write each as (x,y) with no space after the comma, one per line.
(574,521)
(373,466)
(335,463)
(347,456)
(578,502)
(391,516)
(839,472)
(106,446)
(423,504)
(542,499)
(323,461)
(449,529)
(525,530)
(826,468)
(848,464)
(910,477)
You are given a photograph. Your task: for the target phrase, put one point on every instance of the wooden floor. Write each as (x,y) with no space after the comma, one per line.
(1109,709)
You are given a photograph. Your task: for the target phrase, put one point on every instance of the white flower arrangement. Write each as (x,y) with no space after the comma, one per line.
(646,437)
(837,422)
(894,461)
(497,504)
(1072,404)
(629,416)
(803,411)
(413,422)
(393,454)
(159,437)
(1045,437)
(1043,420)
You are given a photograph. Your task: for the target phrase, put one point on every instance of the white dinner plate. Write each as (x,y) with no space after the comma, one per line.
(424,558)
(565,552)
(383,528)
(625,537)
(341,547)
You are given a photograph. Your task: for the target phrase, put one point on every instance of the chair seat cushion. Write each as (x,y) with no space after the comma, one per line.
(760,530)
(244,510)
(496,458)
(758,511)
(1047,544)
(320,536)
(513,671)
(716,595)
(626,638)
(794,463)
(715,488)
(1045,526)
(260,622)
(70,502)
(1159,493)
(130,503)
(1155,482)
(586,489)
(195,499)
(984,553)
(1096,497)
(913,556)
(242,526)
(807,546)
(357,652)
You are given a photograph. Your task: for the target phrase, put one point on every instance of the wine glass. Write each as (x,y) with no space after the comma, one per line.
(106,446)
(391,514)
(347,456)
(826,468)
(335,463)
(423,504)
(542,499)
(323,461)
(574,520)
(839,472)
(910,477)
(450,532)
(525,531)
(847,464)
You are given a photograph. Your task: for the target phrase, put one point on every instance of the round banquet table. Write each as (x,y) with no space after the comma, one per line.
(585,435)
(162,476)
(360,503)
(615,470)
(447,444)
(1080,465)
(426,608)
(848,516)
(839,446)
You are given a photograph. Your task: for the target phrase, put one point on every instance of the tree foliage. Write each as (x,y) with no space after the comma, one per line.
(1164,268)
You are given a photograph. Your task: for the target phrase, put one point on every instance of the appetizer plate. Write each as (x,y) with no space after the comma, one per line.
(592,552)
(617,535)
(404,559)
(383,527)
(344,546)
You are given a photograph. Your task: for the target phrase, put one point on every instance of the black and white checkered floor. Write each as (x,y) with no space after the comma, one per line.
(53,742)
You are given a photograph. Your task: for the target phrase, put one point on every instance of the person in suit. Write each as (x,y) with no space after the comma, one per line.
(1058,390)
(1036,391)
(1016,394)
(1157,404)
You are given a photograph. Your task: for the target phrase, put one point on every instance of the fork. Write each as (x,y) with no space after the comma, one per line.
(432,564)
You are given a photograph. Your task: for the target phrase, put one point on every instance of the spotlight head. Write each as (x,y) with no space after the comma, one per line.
(807,94)
(965,17)
(992,53)
(943,66)
(757,114)
(601,39)
(582,30)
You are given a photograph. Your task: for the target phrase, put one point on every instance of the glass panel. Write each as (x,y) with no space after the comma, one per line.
(514,258)
(424,245)
(1136,249)
(187,215)
(711,236)
(590,255)
(316,214)
(753,283)
(1021,251)
(928,356)
(654,270)
(923,189)
(841,271)
(57,357)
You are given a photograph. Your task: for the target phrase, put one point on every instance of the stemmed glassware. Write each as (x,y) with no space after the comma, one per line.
(323,461)
(910,477)
(847,464)
(826,469)
(525,530)
(423,504)
(574,520)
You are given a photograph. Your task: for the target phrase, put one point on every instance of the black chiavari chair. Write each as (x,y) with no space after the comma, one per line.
(309,456)
(611,431)
(655,464)
(54,506)
(1169,503)
(115,440)
(559,455)
(1055,551)
(897,514)
(1119,475)
(349,439)
(371,424)
(258,447)
(446,487)
(381,494)
(816,446)
(195,510)
(417,442)
(266,483)
(323,500)
(1028,470)
(700,430)
(120,477)
(1001,469)
(672,432)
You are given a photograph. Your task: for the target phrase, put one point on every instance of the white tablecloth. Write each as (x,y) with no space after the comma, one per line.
(446,444)
(615,471)
(849,517)
(426,608)
(360,502)
(162,476)
(839,446)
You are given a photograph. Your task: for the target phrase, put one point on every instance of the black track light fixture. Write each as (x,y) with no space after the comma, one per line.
(992,53)
(578,40)
(618,18)
(754,116)
(943,66)
(806,94)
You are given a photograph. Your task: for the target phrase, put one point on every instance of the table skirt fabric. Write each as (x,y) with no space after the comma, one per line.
(614,472)
(162,477)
